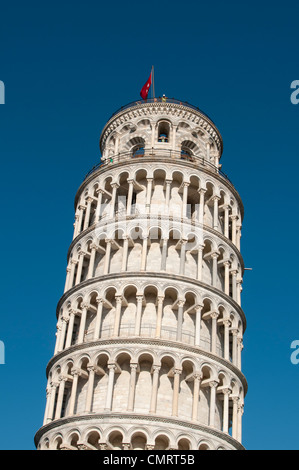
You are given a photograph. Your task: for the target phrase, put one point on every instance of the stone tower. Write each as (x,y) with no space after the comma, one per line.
(150,325)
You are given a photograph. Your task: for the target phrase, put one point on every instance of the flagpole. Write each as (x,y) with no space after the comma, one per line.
(153,78)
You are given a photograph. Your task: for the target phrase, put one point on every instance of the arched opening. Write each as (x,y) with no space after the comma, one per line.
(163,131)
(115,440)
(161,442)
(138,441)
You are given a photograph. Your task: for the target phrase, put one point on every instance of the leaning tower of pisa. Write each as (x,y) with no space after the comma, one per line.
(150,324)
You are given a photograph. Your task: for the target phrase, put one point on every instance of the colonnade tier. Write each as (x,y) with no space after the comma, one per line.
(108,432)
(160,189)
(152,306)
(146,379)
(122,247)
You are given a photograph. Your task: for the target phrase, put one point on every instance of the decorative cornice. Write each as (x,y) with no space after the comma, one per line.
(130,417)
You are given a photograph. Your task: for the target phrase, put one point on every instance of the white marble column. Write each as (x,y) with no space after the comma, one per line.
(164,254)
(180,319)
(99,205)
(139,299)
(118,299)
(97,327)
(226,220)
(215,213)
(226,324)
(80,267)
(113,200)
(125,254)
(226,392)
(154,394)
(185,197)
(52,397)
(226,277)
(195,400)
(87,213)
(176,389)
(62,381)
(200,249)
(214,257)
(214,316)
(239,352)
(64,321)
(107,256)
(234,228)
(183,256)
(159,316)
(234,273)
(70,328)
(149,194)
(234,332)
(198,310)
(235,400)
(82,323)
(90,386)
(132,386)
(143,254)
(109,394)
(79,220)
(48,396)
(91,261)
(130,195)
(67,279)
(240,414)
(167,195)
(201,210)
(75,374)
(213,386)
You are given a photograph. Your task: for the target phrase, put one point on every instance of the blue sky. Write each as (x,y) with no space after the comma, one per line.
(67,66)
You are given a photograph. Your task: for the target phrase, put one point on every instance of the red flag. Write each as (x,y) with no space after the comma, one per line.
(145,88)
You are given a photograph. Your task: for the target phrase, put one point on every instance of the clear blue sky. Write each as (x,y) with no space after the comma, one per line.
(67,66)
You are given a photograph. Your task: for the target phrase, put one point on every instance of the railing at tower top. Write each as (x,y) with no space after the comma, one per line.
(153,153)
(160,100)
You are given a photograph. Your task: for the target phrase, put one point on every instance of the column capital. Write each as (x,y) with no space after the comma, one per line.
(214,315)
(213,384)
(226,391)
(198,307)
(202,190)
(197,376)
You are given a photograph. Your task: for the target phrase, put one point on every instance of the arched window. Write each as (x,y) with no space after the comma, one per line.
(163,131)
